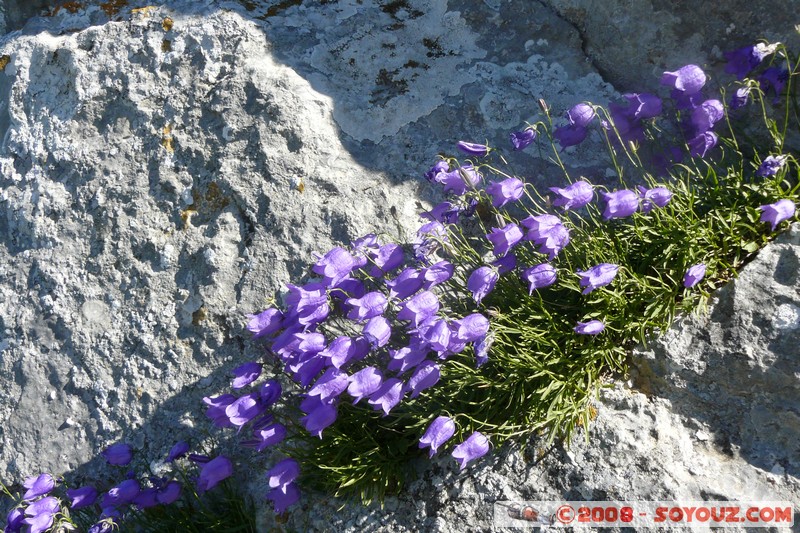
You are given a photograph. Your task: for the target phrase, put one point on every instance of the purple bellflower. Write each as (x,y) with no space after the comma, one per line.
(387,396)
(740,97)
(266,437)
(335,265)
(419,308)
(539,276)
(481,282)
(439,432)
(743,60)
(284,498)
(571,135)
(477,445)
(657,196)
(39,514)
(82,497)
(330,385)
(38,486)
(592,327)
(437,273)
(368,306)
(502,192)
(522,139)
(597,276)
(699,146)
(121,494)
(425,376)
(778,212)
(478,150)
(573,196)
(580,115)
(283,473)
(177,451)
(771,165)
(438,168)
(119,454)
(688,80)
(471,328)
(213,472)
(406,358)
(694,275)
(245,374)
(620,204)
(706,115)
(265,323)
(319,417)
(364,383)
(505,238)
(377,331)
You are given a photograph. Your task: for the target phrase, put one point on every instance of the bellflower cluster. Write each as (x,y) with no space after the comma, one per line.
(579,117)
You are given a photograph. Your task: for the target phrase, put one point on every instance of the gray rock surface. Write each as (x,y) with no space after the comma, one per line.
(160,181)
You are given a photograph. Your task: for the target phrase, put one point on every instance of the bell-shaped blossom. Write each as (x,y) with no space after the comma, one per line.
(481,282)
(472,327)
(437,273)
(571,135)
(387,396)
(244,409)
(169,493)
(425,376)
(439,432)
(364,383)
(284,498)
(306,367)
(657,196)
(386,259)
(15,520)
(482,349)
(554,241)
(597,276)
(508,190)
(624,126)
(245,374)
(266,437)
(740,97)
(505,238)
(214,471)
(419,308)
(39,514)
(308,304)
(438,168)
(216,409)
(438,335)
(620,204)
(539,276)
(265,323)
(330,385)
(773,80)
(406,358)
(459,180)
(405,284)
(505,264)
(642,106)
(776,213)
(689,79)
(694,275)
(121,494)
(540,226)
(444,212)
(334,266)
(322,416)
(592,327)
(743,60)
(368,306)
(146,498)
(283,473)
(269,392)
(699,146)
(343,350)
(377,331)
(38,486)
(82,497)
(522,139)
(178,450)
(573,196)
(706,115)
(476,445)
(478,150)
(581,115)
(771,165)
(119,454)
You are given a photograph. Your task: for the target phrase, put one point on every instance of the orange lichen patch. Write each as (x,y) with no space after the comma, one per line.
(199,315)
(146,10)
(72,7)
(167,23)
(186,215)
(166,139)
(166,46)
(4,59)
(112,7)
(301,186)
(214,200)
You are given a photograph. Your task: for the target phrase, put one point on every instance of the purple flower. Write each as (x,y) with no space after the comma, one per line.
(216,409)
(15,520)
(540,276)
(119,454)
(38,486)
(121,494)
(244,409)
(459,180)
(573,196)
(406,358)
(263,438)
(437,273)
(472,327)
(364,383)
(270,391)
(425,376)
(580,115)
(740,97)
(306,367)
(771,165)
(39,514)
(330,385)
(571,135)
(405,284)
(700,145)
(320,417)
(642,106)
(177,451)
(284,498)
(169,493)
(548,232)
(508,190)
(437,333)
(482,349)
(597,276)
(481,282)
(283,473)
(521,139)
(377,331)
(657,196)
(503,239)
(435,170)
(335,266)
(620,204)
(343,350)
(422,306)
(505,264)
(478,150)
(213,472)
(477,445)
(777,212)
(742,60)
(437,434)
(694,275)
(82,497)
(688,80)
(308,304)
(368,306)
(245,374)
(774,78)
(265,323)
(387,258)
(706,115)
(593,327)
(387,396)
